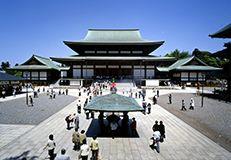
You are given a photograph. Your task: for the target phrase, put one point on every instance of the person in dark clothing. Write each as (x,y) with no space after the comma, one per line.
(68,120)
(149,108)
(183,106)
(3,93)
(155,99)
(170,98)
(136,95)
(155,126)
(31,101)
(158,93)
(133,126)
(162,131)
(144,104)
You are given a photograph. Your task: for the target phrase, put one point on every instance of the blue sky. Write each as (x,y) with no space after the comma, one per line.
(39,26)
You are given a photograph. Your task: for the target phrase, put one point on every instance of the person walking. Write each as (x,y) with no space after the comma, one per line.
(87,112)
(157,93)
(155,99)
(84,151)
(82,137)
(133,126)
(51,147)
(3,93)
(14,92)
(76,139)
(183,106)
(162,131)
(68,121)
(156,140)
(155,127)
(63,155)
(94,145)
(54,95)
(144,104)
(79,106)
(76,121)
(149,108)
(192,104)
(31,101)
(170,98)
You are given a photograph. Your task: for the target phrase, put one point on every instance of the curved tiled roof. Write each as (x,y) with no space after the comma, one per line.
(113,103)
(224,32)
(113,35)
(182,65)
(9,77)
(113,40)
(46,63)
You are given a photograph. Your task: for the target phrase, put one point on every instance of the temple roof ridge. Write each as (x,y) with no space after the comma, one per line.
(113,35)
(112,29)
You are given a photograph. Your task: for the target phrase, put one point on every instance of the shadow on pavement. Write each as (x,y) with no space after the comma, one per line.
(22,156)
(104,131)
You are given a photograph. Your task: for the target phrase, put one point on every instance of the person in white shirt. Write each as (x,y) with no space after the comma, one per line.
(84,151)
(192,104)
(156,137)
(51,147)
(62,156)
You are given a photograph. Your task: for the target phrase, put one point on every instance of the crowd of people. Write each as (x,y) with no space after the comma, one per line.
(80,144)
(158,135)
(79,138)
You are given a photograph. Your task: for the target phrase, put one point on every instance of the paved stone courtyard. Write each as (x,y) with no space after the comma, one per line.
(17,112)
(182,141)
(11,132)
(213,119)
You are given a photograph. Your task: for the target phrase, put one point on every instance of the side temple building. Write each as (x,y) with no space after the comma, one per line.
(112,53)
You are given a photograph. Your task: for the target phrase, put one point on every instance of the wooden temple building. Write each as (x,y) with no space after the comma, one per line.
(107,53)
(112,53)
(225,32)
(39,70)
(190,69)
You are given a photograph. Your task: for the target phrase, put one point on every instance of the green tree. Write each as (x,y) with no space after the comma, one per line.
(178,54)
(206,57)
(5,65)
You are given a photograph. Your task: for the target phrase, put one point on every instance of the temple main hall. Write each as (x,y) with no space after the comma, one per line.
(113,53)
(105,54)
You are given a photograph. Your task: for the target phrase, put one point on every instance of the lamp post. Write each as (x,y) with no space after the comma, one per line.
(202,91)
(27,90)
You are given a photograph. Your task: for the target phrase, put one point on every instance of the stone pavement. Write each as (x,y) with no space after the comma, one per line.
(182,141)
(10,132)
(213,119)
(17,112)
(23,95)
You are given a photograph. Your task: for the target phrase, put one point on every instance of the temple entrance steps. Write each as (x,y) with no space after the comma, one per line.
(125,84)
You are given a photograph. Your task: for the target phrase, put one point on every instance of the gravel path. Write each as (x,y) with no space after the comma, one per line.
(213,120)
(16,111)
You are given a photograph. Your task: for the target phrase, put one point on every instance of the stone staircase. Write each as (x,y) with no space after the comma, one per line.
(125,84)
